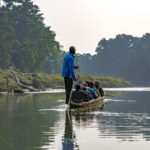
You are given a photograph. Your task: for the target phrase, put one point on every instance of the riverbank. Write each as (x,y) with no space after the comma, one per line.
(45,81)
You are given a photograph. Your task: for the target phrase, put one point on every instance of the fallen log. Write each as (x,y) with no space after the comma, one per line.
(30,88)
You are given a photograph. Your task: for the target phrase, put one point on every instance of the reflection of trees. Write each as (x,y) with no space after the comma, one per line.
(22,125)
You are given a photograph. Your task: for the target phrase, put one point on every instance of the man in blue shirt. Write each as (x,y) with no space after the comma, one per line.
(68,71)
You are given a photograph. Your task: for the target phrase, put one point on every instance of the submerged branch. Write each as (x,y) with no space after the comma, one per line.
(30,88)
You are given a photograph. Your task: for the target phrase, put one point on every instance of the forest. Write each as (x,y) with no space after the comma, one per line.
(124,57)
(26,43)
(29,46)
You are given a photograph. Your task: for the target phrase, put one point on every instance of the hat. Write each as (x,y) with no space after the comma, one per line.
(91,83)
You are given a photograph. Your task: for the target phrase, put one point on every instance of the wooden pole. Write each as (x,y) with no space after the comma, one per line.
(71,92)
(70,97)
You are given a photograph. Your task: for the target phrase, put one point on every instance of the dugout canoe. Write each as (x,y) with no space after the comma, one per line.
(87,104)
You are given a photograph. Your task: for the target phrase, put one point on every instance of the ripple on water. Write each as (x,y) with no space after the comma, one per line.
(60,108)
(138,89)
(59,101)
(127,126)
(119,100)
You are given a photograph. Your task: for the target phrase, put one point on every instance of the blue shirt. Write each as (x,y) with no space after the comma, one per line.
(68,66)
(93,93)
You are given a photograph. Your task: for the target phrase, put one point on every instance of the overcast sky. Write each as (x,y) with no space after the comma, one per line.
(83,23)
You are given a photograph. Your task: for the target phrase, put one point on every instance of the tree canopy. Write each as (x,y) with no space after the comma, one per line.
(124,56)
(26,42)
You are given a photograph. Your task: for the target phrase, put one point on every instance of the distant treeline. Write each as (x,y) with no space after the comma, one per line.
(124,56)
(26,43)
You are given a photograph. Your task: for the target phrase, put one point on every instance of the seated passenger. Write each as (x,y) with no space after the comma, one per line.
(79,95)
(100,89)
(96,90)
(88,83)
(85,88)
(92,90)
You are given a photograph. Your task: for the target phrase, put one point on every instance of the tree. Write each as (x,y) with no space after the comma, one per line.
(34,41)
(7,37)
(124,56)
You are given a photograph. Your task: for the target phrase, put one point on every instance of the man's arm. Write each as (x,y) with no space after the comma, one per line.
(76,67)
(71,68)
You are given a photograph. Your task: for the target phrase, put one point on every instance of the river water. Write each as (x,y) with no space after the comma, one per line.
(39,121)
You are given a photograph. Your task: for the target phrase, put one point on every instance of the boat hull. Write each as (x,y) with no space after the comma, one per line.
(86,104)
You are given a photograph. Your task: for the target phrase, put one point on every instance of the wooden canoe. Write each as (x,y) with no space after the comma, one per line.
(86,104)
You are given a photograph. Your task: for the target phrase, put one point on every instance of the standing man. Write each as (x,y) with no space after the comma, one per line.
(68,71)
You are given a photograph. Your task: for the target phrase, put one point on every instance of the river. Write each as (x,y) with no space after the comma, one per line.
(39,121)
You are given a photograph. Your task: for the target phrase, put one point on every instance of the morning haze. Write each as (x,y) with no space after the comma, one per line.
(109,105)
(84,22)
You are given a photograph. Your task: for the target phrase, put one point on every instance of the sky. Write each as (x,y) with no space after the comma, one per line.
(83,23)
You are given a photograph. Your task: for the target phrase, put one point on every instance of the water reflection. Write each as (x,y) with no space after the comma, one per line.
(23,126)
(40,122)
(85,114)
(126,117)
(69,141)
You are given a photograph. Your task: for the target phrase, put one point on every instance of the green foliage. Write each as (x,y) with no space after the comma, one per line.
(26,42)
(124,56)
(104,81)
(7,82)
(43,81)
(7,37)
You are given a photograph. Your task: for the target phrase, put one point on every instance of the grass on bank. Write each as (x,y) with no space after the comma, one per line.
(44,81)
(105,81)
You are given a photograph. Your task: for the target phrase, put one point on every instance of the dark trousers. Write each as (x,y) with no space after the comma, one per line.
(68,88)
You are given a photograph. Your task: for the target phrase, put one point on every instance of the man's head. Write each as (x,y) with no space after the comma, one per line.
(77,87)
(92,84)
(85,85)
(72,50)
(97,84)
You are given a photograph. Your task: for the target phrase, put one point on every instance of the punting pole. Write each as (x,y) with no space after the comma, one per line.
(71,93)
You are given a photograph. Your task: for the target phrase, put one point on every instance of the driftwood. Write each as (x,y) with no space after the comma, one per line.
(30,88)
